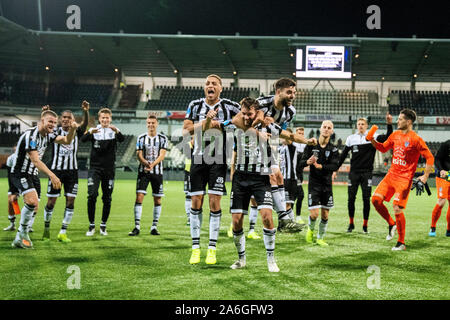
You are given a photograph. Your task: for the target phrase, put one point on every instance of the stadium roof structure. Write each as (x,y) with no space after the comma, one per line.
(251,57)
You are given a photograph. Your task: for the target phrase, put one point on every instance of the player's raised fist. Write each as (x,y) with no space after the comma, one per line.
(85,105)
(388,118)
(312,142)
(45,108)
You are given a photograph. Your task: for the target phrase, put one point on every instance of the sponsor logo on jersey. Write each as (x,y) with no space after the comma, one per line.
(399,152)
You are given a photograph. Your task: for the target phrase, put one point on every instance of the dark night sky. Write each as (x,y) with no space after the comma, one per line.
(426,19)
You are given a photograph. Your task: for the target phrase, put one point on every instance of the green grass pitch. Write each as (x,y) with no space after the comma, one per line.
(157,267)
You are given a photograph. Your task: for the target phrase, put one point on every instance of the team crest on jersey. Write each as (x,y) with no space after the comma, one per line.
(327,154)
(406,144)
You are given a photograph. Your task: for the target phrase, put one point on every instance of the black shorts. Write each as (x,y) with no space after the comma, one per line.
(187,182)
(245,185)
(69,179)
(292,190)
(320,195)
(212,175)
(12,189)
(26,183)
(156,181)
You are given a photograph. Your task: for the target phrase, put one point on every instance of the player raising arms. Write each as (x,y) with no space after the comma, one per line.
(407,147)
(65,166)
(151,149)
(209,165)
(442,164)
(104,140)
(30,149)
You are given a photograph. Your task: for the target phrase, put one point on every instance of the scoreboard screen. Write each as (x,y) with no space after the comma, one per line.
(323,62)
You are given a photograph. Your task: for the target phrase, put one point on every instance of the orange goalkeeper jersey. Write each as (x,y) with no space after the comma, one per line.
(407,148)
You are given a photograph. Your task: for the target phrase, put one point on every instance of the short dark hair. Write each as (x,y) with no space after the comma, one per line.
(409,114)
(248,103)
(152,116)
(284,83)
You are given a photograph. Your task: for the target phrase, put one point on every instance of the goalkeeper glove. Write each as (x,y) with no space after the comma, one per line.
(419,186)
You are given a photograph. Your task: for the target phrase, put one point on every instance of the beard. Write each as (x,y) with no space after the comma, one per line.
(286,102)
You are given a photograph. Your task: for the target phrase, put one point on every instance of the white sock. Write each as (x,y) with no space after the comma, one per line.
(214,227)
(25,217)
(187,207)
(31,222)
(278,203)
(290,214)
(137,215)
(269,241)
(252,217)
(239,242)
(156,215)
(196,224)
(283,197)
(322,229)
(68,215)
(47,216)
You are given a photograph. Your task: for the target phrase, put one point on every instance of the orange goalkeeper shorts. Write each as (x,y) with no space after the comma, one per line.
(443,188)
(394,186)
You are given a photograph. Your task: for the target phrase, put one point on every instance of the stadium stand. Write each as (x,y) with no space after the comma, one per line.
(425,103)
(130,96)
(337,102)
(8,139)
(59,94)
(178,98)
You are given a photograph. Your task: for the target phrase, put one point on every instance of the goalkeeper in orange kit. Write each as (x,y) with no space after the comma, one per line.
(407,148)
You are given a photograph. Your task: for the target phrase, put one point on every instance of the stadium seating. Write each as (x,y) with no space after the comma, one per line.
(59,94)
(337,102)
(130,96)
(178,98)
(8,139)
(425,103)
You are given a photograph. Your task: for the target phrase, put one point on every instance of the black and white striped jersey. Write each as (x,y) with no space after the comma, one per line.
(30,140)
(282,117)
(253,154)
(288,161)
(151,148)
(197,112)
(104,147)
(299,149)
(64,156)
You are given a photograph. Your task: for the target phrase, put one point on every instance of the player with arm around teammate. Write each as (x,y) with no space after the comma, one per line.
(65,166)
(30,149)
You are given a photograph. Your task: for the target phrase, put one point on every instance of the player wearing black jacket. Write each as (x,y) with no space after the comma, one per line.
(104,140)
(361,167)
(323,160)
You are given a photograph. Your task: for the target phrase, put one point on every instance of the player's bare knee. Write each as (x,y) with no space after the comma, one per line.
(157,201)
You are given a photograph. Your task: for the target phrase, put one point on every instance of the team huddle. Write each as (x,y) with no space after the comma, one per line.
(266,157)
